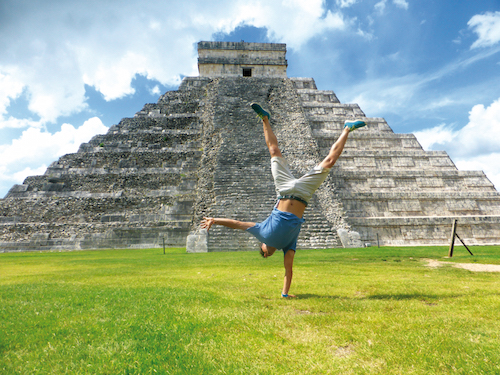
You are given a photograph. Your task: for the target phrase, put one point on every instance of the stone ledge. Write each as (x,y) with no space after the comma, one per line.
(279,61)
(327,134)
(242,46)
(490,195)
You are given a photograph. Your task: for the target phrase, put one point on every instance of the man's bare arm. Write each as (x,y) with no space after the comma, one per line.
(207,223)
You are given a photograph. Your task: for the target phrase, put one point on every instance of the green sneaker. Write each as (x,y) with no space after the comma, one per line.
(260,111)
(353,125)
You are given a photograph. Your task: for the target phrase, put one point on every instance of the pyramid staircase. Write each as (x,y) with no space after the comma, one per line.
(235,178)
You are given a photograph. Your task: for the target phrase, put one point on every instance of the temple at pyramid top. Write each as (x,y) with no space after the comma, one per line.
(240,59)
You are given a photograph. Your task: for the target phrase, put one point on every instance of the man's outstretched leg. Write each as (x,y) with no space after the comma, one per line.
(271,140)
(339,144)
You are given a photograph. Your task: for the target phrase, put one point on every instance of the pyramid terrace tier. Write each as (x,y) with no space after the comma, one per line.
(168,109)
(318,96)
(145,138)
(376,141)
(156,124)
(410,180)
(97,208)
(129,159)
(389,160)
(331,127)
(428,230)
(54,236)
(374,204)
(56,170)
(323,111)
(127,182)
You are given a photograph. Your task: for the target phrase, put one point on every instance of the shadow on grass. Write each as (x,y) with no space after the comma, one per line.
(317,296)
(417,296)
(392,297)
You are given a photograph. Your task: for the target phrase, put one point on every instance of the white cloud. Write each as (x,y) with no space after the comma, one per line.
(433,136)
(365,35)
(35,144)
(401,4)
(293,21)
(36,148)
(46,75)
(16,123)
(155,90)
(116,84)
(346,3)
(378,96)
(381,5)
(479,137)
(10,88)
(475,146)
(487,27)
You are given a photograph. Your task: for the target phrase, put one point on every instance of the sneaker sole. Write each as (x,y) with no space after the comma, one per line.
(261,112)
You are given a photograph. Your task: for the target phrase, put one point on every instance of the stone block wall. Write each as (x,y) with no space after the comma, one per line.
(237,59)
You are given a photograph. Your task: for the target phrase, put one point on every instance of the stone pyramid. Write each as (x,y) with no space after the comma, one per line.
(200,151)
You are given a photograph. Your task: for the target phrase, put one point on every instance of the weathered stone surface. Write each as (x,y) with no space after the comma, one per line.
(197,242)
(236,59)
(349,238)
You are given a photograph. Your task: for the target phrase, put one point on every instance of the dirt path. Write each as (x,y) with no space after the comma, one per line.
(475,267)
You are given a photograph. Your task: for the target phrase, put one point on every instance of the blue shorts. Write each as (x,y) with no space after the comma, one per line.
(279,230)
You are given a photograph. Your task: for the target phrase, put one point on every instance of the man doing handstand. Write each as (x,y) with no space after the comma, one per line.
(281,229)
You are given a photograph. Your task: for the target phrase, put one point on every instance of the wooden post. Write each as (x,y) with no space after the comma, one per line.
(453,234)
(163,245)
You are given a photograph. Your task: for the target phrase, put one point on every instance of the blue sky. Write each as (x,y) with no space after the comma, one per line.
(71,69)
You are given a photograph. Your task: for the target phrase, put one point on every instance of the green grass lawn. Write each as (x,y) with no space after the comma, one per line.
(358,311)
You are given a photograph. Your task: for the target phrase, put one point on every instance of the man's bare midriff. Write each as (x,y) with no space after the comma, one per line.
(291,205)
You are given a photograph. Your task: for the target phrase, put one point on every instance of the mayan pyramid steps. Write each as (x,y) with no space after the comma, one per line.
(132,187)
(200,151)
